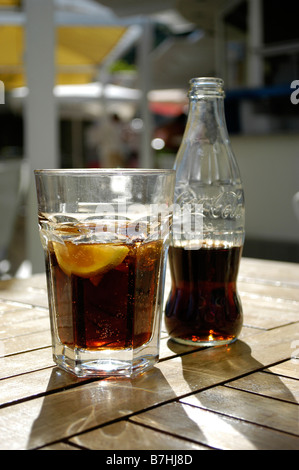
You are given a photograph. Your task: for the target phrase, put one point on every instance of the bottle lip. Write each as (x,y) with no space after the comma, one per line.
(206,87)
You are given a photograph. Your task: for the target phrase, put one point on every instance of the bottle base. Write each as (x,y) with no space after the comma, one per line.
(196,342)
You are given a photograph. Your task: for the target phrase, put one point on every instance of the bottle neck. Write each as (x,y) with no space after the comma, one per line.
(205,155)
(206,119)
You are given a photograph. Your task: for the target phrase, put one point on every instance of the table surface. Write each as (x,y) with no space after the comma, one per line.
(244,396)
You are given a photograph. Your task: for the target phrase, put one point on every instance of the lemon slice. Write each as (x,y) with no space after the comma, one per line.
(88,260)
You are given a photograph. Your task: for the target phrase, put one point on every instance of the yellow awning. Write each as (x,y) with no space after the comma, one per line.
(10,3)
(79,52)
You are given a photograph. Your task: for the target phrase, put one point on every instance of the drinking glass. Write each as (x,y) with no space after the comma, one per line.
(105,237)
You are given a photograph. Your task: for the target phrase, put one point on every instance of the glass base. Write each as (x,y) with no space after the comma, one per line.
(105,363)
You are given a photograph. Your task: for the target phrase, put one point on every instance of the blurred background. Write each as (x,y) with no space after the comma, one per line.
(103,83)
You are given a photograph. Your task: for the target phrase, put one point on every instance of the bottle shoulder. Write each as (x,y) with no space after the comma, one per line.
(207,164)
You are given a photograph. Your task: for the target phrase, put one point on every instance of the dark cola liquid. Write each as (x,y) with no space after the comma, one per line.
(203,305)
(114,310)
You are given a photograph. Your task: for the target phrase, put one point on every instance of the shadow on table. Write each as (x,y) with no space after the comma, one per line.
(95,404)
(80,407)
(230,365)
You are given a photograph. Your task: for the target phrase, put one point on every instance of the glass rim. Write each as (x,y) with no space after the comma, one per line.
(103,171)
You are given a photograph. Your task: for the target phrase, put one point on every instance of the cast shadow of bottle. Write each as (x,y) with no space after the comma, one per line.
(238,404)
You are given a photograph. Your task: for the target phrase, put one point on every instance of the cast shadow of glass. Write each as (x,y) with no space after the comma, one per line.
(72,407)
(175,397)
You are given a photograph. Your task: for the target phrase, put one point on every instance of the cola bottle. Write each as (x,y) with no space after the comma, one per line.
(203,307)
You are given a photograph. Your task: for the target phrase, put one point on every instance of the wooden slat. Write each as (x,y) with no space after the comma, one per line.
(268,385)
(29,342)
(30,291)
(216,430)
(268,313)
(60,446)
(23,363)
(24,328)
(31,385)
(15,315)
(126,435)
(269,272)
(263,291)
(287,369)
(265,411)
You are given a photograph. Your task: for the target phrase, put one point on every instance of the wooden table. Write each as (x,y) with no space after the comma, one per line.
(244,396)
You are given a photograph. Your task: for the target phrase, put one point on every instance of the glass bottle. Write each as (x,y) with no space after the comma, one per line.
(203,307)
